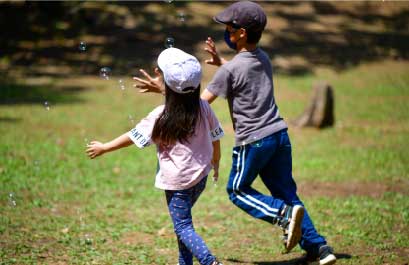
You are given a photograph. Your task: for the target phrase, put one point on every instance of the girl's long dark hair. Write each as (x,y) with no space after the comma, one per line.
(179,117)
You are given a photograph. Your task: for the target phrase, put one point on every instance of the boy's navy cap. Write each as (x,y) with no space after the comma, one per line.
(245,14)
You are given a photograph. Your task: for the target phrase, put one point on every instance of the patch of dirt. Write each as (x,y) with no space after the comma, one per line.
(363,254)
(137,238)
(353,188)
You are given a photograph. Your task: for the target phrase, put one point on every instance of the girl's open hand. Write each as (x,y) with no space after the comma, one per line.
(95,149)
(211,49)
(150,84)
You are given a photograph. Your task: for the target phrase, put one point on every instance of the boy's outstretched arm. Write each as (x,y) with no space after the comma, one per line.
(208,96)
(96,148)
(216,159)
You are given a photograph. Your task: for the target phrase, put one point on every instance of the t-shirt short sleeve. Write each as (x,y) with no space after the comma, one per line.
(216,131)
(220,83)
(141,134)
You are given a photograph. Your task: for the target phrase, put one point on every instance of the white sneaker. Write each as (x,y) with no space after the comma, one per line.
(290,222)
(325,257)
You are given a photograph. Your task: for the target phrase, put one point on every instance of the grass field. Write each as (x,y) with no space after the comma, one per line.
(59,207)
(66,209)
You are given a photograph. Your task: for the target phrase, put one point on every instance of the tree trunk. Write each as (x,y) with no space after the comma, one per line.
(320,112)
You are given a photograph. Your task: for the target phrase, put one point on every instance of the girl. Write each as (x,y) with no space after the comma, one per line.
(186,133)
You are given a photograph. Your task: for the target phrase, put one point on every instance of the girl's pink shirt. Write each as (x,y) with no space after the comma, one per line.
(181,165)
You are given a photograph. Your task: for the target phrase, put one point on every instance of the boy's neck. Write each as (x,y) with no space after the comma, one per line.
(247,47)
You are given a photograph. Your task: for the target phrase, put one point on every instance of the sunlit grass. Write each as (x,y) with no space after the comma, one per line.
(72,210)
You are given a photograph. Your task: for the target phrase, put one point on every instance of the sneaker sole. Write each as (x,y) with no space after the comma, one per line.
(294,229)
(328,260)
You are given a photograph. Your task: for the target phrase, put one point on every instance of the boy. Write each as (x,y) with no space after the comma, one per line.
(262,143)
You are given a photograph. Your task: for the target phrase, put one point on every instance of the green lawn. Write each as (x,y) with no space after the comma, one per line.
(71,210)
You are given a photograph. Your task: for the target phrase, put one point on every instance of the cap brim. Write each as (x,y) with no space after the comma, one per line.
(217,20)
(223,17)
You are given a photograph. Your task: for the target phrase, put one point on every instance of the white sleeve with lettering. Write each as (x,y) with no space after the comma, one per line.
(141,134)
(216,131)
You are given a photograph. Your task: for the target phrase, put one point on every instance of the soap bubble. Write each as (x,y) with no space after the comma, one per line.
(105,72)
(88,239)
(169,42)
(121,84)
(81,218)
(36,164)
(131,119)
(168,1)
(47,105)
(82,46)
(256,141)
(181,16)
(12,199)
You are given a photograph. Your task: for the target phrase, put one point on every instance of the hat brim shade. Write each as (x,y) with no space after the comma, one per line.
(224,17)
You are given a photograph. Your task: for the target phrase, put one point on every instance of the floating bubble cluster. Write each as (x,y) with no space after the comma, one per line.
(46,105)
(82,46)
(12,199)
(181,16)
(255,141)
(105,73)
(36,165)
(131,119)
(121,84)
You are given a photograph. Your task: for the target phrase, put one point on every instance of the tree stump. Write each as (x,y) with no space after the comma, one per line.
(320,112)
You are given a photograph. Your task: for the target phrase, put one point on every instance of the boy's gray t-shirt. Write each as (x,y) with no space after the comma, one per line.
(247,83)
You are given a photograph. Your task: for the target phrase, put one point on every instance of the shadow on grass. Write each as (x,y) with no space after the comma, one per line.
(295,261)
(123,41)
(341,45)
(47,95)
(9,120)
(126,36)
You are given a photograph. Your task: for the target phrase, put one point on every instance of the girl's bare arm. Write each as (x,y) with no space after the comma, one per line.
(96,148)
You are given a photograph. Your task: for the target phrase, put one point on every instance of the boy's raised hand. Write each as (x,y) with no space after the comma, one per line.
(95,149)
(211,49)
(150,84)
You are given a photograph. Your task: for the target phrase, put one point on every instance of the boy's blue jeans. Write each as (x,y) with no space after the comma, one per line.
(180,203)
(270,158)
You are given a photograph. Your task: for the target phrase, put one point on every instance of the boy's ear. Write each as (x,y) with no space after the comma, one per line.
(243,33)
